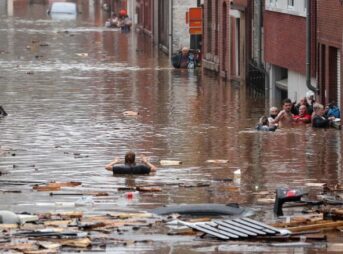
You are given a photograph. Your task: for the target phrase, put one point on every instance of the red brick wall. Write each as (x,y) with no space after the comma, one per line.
(216,43)
(240,3)
(285,41)
(144,12)
(330,22)
(330,34)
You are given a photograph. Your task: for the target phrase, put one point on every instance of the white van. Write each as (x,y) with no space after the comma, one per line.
(63,11)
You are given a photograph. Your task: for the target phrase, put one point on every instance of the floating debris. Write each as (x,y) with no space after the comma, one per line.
(217,161)
(170,163)
(130,113)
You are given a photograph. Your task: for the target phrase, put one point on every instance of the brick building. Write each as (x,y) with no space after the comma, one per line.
(330,50)
(227,37)
(285,48)
(144,12)
(165,22)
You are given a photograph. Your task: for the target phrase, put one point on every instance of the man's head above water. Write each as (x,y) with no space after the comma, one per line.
(130,157)
(185,50)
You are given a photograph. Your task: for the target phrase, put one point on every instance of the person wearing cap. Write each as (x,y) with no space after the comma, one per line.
(130,166)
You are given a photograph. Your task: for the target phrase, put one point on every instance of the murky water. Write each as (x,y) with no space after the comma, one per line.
(65,85)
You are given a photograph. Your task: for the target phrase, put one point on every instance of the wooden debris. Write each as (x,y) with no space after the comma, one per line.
(334,248)
(186,231)
(315,184)
(57,223)
(97,194)
(170,162)
(55,186)
(124,216)
(19,246)
(48,245)
(89,226)
(326,225)
(301,220)
(291,244)
(82,54)
(77,243)
(148,189)
(232,188)
(48,251)
(218,161)
(130,113)
(262,193)
(191,185)
(265,201)
(8,226)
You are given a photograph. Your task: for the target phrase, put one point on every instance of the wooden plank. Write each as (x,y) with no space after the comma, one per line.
(321,226)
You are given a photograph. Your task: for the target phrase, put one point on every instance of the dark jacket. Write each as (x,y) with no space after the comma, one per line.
(320,122)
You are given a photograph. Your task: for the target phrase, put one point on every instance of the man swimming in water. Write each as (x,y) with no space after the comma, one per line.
(130,166)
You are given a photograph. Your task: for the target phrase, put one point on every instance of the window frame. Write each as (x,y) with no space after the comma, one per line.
(290,4)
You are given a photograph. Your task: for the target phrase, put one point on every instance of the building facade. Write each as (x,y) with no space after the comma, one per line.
(285,48)
(330,50)
(165,22)
(144,12)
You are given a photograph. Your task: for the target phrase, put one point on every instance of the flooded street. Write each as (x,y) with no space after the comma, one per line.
(65,85)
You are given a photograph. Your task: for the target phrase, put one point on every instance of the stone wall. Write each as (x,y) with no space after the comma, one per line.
(181,36)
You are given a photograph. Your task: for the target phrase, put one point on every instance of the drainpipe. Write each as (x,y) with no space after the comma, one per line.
(170,28)
(258,33)
(308,48)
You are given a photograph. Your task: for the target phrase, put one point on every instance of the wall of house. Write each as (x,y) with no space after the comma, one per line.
(330,41)
(145,15)
(296,88)
(298,8)
(285,41)
(3,7)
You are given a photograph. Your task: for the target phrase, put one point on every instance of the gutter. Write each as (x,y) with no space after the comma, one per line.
(308,48)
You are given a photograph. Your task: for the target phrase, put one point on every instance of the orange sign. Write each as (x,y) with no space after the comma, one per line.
(195,30)
(194,19)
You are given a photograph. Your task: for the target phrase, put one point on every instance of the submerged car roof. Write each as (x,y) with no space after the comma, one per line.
(63,7)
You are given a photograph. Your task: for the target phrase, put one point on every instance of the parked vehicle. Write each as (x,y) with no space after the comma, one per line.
(63,10)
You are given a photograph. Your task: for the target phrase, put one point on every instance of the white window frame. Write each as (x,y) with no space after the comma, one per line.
(290,4)
(273,3)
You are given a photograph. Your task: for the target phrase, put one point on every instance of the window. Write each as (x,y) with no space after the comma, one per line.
(273,3)
(290,3)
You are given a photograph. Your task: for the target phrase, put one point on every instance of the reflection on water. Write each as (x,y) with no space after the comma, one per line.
(65,86)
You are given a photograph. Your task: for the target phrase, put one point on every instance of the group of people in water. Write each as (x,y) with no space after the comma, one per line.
(186,58)
(121,21)
(307,111)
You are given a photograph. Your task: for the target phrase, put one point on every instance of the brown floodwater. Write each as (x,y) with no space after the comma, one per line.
(65,84)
